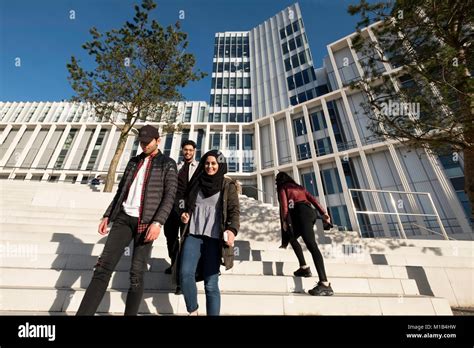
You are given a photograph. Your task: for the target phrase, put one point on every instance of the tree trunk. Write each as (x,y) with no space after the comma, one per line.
(469,177)
(109,184)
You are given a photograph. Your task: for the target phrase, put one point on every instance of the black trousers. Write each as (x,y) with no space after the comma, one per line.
(173,226)
(303,218)
(123,231)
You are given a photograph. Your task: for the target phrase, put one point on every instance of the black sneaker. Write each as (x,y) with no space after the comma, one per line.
(169,270)
(321,290)
(178,291)
(303,272)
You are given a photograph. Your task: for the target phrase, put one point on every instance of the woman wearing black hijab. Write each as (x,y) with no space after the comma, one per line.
(212,215)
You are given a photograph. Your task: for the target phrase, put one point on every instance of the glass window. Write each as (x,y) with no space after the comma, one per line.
(305,76)
(300,127)
(304,152)
(232,82)
(240,100)
(287,64)
(328,184)
(299,80)
(246,50)
(293,100)
(219,82)
(187,115)
(248,117)
(220,67)
(292,44)
(239,82)
(315,126)
(294,61)
(168,144)
(458,183)
(226,66)
(289,29)
(225,100)
(295,26)
(291,83)
(226,82)
(247,100)
(298,40)
(232,100)
(310,94)
(282,33)
(246,82)
(309,183)
(218,100)
(302,97)
(302,58)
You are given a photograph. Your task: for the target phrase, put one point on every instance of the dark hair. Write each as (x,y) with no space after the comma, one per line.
(283,178)
(188,142)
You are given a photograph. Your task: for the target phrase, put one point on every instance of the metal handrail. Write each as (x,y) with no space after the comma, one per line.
(429,230)
(397,213)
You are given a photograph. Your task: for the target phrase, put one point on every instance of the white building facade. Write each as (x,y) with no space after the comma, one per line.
(270,110)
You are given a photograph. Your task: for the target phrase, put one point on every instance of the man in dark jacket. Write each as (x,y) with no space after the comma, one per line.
(143,201)
(173,225)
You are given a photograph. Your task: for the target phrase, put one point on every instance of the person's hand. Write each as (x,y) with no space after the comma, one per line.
(230,238)
(103,226)
(327,218)
(285,226)
(185,218)
(152,233)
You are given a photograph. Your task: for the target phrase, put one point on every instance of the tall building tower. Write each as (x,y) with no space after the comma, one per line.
(264,70)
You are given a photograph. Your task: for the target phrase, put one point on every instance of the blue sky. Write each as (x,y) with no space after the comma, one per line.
(44,37)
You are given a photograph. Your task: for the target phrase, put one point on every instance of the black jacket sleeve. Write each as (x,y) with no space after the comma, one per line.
(233,209)
(169,192)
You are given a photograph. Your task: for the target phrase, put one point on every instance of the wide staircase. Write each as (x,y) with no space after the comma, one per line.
(49,245)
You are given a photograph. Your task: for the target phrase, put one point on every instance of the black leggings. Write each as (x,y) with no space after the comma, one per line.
(303,218)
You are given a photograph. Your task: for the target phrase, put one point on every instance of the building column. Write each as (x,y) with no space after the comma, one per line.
(5,133)
(291,137)
(73,152)
(276,161)
(340,171)
(317,174)
(108,146)
(450,194)
(12,146)
(43,147)
(258,163)
(365,163)
(240,149)
(28,145)
(57,151)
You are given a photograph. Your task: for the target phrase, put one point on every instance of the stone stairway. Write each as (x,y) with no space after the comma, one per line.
(49,245)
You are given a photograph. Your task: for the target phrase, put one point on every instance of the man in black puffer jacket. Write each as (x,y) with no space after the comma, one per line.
(143,201)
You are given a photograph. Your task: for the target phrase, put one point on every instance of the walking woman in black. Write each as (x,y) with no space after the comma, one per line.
(297,219)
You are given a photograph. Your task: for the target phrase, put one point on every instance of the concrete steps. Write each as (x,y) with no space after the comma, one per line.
(49,300)
(49,245)
(21,277)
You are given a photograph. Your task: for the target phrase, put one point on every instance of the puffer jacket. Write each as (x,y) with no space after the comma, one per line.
(160,189)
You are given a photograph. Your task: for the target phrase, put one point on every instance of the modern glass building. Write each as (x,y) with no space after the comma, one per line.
(270,110)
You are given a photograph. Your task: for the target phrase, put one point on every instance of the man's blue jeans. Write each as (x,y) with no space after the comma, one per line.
(208,249)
